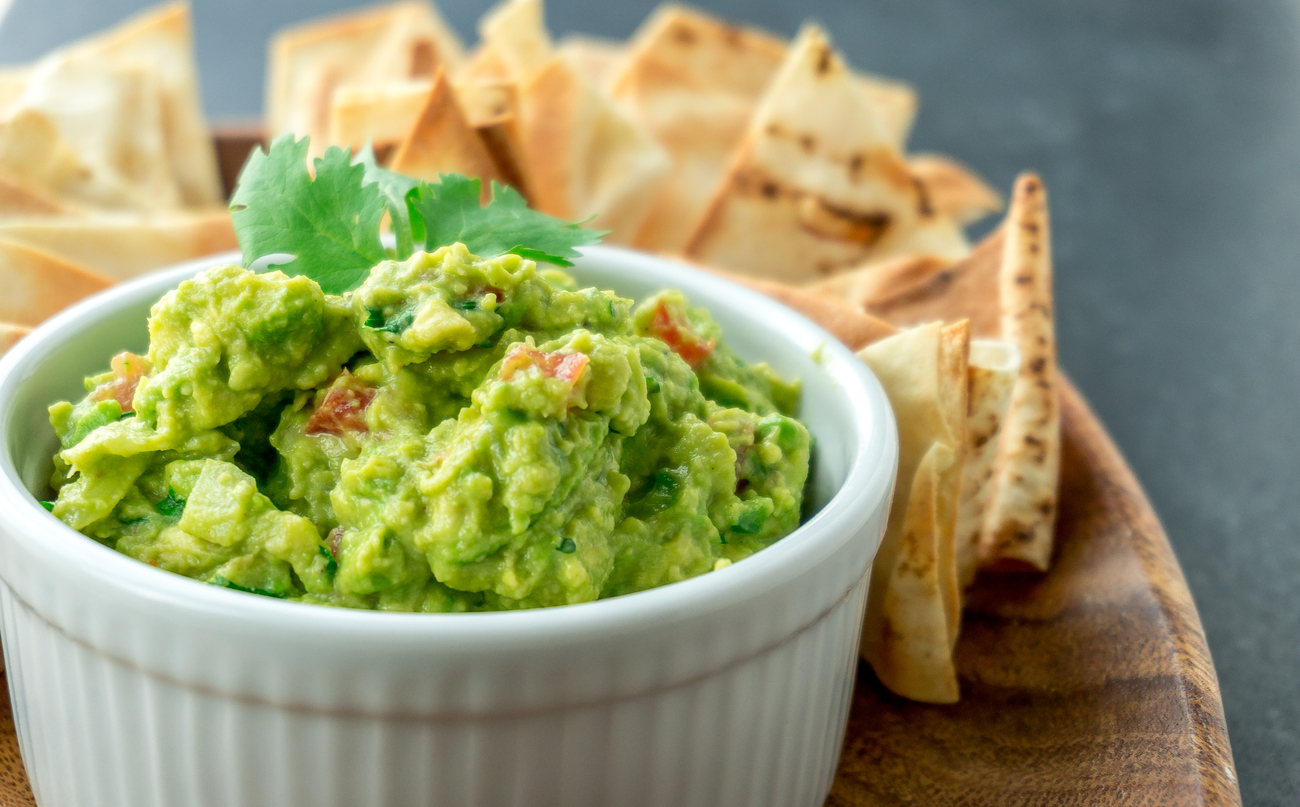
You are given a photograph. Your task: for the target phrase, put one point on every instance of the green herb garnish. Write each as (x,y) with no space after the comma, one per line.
(171,506)
(48,506)
(375,321)
(329,223)
(750,521)
(567,546)
(224,583)
(331,562)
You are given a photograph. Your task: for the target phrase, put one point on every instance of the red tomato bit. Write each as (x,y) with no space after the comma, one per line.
(343,409)
(678,334)
(128,369)
(565,365)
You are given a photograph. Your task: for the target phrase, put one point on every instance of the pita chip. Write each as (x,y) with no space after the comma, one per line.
(443,141)
(908,291)
(492,108)
(379,114)
(10,334)
(19,200)
(895,103)
(596,58)
(161,41)
(914,605)
(92,132)
(515,33)
(693,81)
(954,190)
(1020,525)
(12,81)
(817,185)
(308,62)
(992,374)
(122,245)
(38,285)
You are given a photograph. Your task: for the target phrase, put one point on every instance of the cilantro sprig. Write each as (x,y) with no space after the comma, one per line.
(328,226)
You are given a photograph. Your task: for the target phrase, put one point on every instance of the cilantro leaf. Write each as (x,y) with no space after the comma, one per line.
(397,190)
(451,212)
(398,324)
(329,223)
(171,506)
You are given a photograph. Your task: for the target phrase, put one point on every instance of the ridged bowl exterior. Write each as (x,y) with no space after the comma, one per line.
(138,688)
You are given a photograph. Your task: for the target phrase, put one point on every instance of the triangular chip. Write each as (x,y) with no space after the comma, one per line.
(38,285)
(693,81)
(818,185)
(17,199)
(12,81)
(597,59)
(913,604)
(10,334)
(994,367)
(122,245)
(395,42)
(443,141)
(93,132)
(160,40)
(895,103)
(515,33)
(381,115)
(909,291)
(492,108)
(1021,522)
(953,189)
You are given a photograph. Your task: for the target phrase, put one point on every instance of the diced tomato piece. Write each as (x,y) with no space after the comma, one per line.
(343,409)
(678,334)
(128,369)
(562,364)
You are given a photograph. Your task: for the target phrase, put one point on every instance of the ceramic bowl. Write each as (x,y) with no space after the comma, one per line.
(135,687)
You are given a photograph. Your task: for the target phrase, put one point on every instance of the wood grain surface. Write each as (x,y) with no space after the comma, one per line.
(1089,685)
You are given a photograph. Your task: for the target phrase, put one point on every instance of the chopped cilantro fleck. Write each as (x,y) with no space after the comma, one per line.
(331,562)
(48,506)
(750,521)
(567,546)
(652,384)
(224,583)
(172,506)
(375,321)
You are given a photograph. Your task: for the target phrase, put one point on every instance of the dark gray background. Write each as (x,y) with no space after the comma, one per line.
(1169,137)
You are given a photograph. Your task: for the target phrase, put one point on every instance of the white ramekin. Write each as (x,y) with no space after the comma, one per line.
(135,687)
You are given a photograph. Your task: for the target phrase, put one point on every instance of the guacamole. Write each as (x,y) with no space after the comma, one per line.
(455,434)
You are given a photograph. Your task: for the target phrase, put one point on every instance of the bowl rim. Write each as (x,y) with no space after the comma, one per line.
(868,482)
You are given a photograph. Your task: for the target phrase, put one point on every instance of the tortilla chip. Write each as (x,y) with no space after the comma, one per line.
(817,185)
(122,245)
(515,33)
(379,114)
(895,103)
(994,367)
(92,132)
(19,200)
(492,108)
(846,323)
(443,141)
(12,82)
(10,334)
(913,604)
(161,41)
(954,190)
(1021,522)
(38,285)
(909,291)
(484,64)
(693,81)
(596,58)
(396,42)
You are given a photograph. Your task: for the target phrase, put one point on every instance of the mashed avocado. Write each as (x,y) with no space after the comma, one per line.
(456,434)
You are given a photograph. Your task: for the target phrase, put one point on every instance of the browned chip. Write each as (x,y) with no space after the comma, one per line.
(1021,521)
(953,189)
(377,45)
(597,59)
(913,605)
(817,186)
(443,142)
(38,285)
(122,245)
(693,81)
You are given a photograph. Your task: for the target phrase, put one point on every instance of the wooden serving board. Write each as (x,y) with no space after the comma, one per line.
(1089,685)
